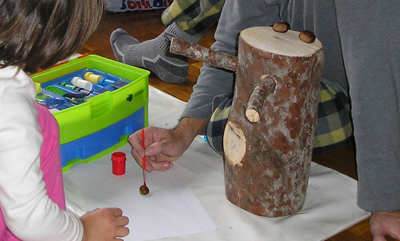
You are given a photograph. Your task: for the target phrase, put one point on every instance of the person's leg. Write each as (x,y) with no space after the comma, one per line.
(334,126)
(50,165)
(215,128)
(186,20)
(153,54)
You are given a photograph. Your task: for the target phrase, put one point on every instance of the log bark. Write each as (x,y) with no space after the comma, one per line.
(200,53)
(269,136)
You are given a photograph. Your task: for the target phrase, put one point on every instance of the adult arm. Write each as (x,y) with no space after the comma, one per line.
(214,82)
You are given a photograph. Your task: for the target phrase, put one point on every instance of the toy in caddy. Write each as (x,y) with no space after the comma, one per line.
(97,103)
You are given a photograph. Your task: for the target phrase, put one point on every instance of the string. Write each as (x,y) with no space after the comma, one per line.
(144,161)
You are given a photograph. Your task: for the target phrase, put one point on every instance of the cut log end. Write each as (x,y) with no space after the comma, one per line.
(287,44)
(252,115)
(234,144)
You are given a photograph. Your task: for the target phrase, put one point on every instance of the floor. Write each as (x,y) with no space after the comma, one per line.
(146,25)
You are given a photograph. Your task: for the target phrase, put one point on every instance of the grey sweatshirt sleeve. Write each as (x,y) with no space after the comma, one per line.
(214,82)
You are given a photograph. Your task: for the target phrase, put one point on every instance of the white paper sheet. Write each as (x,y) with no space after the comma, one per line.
(170,209)
(196,183)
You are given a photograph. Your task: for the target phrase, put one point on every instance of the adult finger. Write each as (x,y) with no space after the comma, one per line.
(161,166)
(378,238)
(122,232)
(122,221)
(116,212)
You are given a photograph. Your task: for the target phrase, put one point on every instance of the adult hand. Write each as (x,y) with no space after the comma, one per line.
(164,146)
(104,225)
(385,224)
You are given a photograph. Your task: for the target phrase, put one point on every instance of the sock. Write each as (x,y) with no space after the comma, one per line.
(154,54)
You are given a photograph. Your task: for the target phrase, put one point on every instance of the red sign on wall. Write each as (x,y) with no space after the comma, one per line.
(132,5)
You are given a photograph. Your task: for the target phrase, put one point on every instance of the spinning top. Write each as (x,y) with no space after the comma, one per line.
(144,190)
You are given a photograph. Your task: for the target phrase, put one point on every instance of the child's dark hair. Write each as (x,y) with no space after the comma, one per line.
(36,34)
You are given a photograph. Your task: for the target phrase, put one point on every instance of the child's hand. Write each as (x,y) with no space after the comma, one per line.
(104,225)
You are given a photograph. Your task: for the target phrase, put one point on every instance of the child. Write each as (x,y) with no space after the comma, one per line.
(34,35)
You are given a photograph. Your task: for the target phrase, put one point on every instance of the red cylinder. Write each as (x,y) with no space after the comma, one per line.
(118,163)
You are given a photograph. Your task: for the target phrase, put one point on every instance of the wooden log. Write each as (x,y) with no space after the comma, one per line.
(269,136)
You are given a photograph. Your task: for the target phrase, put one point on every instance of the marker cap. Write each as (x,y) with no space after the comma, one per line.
(77,81)
(89,76)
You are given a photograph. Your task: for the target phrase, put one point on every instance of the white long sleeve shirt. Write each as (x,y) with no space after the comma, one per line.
(27,210)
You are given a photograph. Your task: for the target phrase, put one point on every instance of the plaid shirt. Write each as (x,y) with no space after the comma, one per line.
(193,16)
